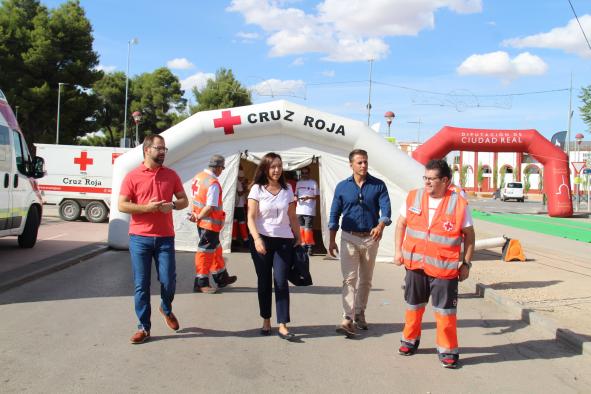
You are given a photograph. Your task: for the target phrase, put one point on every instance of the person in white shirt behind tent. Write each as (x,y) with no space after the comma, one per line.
(307,194)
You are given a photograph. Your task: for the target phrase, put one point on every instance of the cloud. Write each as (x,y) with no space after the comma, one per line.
(180,63)
(328,73)
(568,38)
(298,61)
(107,69)
(277,87)
(499,64)
(247,37)
(343,31)
(198,80)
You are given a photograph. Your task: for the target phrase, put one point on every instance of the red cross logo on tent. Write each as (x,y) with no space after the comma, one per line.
(227,121)
(83,160)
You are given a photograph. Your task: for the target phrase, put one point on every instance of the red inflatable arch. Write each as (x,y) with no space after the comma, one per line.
(556,171)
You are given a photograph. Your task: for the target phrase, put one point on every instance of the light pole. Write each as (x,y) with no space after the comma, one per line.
(16,115)
(137,117)
(369,96)
(419,130)
(129,43)
(579,138)
(57,127)
(389,117)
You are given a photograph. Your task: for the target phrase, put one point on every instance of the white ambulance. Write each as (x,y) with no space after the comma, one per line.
(78,178)
(20,200)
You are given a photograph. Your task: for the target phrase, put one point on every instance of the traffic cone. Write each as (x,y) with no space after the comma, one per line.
(512,250)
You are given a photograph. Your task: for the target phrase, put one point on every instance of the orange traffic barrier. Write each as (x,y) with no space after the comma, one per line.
(512,250)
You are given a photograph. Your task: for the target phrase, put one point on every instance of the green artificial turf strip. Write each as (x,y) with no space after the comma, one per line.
(560,227)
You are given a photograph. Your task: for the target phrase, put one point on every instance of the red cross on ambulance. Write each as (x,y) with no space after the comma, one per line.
(83,160)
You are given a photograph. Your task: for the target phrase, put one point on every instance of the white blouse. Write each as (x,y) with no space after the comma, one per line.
(272,218)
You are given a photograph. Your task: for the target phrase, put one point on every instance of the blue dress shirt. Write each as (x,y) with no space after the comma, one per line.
(360,207)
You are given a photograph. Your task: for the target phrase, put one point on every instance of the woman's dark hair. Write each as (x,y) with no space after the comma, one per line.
(260,175)
(441,166)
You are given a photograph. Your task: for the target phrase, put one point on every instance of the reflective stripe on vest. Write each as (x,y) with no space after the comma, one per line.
(216,218)
(441,264)
(434,247)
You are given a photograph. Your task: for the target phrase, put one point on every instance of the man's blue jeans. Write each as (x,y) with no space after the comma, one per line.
(142,250)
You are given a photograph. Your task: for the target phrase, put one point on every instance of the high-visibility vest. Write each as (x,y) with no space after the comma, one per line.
(435,248)
(215,220)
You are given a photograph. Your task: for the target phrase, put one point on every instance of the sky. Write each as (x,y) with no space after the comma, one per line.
(487,64)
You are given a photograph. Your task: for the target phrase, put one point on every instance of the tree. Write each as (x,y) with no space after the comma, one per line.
(503,171)
(480,175)
(222,92)
(495,175)
(585,109)
(463,175)
(40,48)
(157,95)
(110,94)
(159,98)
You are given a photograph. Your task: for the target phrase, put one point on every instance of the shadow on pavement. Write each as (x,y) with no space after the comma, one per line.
(523,285)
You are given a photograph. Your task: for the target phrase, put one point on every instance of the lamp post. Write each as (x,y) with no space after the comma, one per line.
(389,115)
(57,127)
(579,138)
(129,43)
(137,117)
(16,115)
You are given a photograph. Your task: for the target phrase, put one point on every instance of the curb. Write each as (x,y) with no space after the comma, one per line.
(533,318)
(38,269)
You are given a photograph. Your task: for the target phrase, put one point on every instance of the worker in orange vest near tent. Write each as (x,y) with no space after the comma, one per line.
(208,213)
(431,228)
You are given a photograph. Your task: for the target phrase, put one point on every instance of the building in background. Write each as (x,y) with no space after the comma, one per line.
(487,171)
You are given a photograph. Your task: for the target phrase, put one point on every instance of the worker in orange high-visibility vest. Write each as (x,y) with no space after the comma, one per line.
(208,213)
(433,223)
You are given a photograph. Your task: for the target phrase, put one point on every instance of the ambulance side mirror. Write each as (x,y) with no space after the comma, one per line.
(38,168)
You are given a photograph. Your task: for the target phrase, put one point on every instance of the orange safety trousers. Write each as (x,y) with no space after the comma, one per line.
(306,230)
(419,287)
(208,258)
(239,227)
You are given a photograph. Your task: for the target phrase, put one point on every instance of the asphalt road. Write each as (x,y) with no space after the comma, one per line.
(68,332)
(55,237)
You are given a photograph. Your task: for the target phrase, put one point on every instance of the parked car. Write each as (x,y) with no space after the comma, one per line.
(512,190)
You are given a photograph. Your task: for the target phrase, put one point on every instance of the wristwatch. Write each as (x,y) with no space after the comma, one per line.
(467,263)
(173,205)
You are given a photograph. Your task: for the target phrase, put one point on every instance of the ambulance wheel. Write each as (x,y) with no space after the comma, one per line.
(96,212)
(70,210)
(29,236)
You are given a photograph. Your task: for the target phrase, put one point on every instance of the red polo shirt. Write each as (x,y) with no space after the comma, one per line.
(143,184)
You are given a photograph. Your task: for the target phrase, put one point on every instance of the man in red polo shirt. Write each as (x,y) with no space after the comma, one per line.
(146,194)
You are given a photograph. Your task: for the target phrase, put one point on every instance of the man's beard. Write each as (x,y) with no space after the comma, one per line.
(159,159)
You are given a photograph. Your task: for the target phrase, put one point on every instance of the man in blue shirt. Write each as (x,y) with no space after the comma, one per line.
(363,202)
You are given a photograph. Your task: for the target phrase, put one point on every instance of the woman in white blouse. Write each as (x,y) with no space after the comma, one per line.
(275,230)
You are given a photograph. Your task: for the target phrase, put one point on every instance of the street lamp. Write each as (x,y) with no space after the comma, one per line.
(579,138)
(137,117)
(129,43)
(59,96)
(389,116)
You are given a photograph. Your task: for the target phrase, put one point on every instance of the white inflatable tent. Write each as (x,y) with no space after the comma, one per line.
(299,134)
